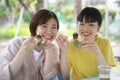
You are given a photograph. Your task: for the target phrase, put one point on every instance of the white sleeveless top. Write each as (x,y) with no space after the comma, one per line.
(37,56)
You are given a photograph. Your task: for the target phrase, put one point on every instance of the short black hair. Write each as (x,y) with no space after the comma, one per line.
(41,17)
(90,14)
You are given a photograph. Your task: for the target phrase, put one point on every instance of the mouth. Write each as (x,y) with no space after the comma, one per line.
(47,37)
(86,34)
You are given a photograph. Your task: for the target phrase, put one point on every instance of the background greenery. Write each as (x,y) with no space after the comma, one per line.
(8,33)
(66,17)
(64,11)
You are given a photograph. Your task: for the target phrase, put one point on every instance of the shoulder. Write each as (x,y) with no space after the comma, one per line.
(14,44)
(70,42)
(102,40)
(17,40)
(12,47)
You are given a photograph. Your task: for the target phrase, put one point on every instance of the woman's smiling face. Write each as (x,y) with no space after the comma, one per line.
(87,30)
(48,31)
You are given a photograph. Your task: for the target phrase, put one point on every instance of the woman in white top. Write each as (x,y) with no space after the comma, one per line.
(23,59)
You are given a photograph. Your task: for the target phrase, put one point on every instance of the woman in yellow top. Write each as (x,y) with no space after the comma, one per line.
(83,59)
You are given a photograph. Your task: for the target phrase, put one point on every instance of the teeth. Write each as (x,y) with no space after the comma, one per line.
(86,33)
(47,36)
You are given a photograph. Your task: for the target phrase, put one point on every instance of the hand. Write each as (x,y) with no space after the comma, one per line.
(90,46)
(62,42)
(28,44)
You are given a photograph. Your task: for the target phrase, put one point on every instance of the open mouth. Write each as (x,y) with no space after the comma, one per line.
(47,37)
(86,34)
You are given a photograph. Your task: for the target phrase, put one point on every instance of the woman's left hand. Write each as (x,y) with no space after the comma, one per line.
(90,46)
(62,42)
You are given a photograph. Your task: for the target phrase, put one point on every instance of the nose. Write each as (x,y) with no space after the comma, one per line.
(49,31)
(85,27)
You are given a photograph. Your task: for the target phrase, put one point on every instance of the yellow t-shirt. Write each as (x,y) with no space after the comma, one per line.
(83,64)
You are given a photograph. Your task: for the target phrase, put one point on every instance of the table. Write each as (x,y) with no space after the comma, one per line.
(111,78)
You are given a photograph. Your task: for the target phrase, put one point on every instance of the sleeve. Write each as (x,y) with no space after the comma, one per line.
(5,73)
(108,53)
(52,74)
(69,61)
(69,55)
(6,57)
(49,76)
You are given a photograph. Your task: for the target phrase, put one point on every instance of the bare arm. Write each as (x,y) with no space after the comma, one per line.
(100,58)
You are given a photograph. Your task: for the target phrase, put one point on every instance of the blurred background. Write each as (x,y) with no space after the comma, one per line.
(15,16)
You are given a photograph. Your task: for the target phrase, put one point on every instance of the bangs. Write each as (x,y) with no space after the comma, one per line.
(87,18)
(90,15)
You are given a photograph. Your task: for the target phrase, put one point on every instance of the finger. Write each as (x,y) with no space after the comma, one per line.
(48,46)
(62,38)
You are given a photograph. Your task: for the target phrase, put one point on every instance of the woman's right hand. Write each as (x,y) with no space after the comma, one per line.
(28,44)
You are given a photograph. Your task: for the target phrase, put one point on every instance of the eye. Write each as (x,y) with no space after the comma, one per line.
(44,25)
(54,27)
(91,24)
(81,24)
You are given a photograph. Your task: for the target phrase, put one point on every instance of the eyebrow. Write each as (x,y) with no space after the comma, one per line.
(51,24)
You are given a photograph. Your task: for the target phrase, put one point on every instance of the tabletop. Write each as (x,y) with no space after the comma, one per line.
(111,78)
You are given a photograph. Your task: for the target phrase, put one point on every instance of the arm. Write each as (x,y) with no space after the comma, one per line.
(100,58)
(51,63)
(18,60)
(107,53)
(64,66)
(12,58)
(92,46)
(62,42)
